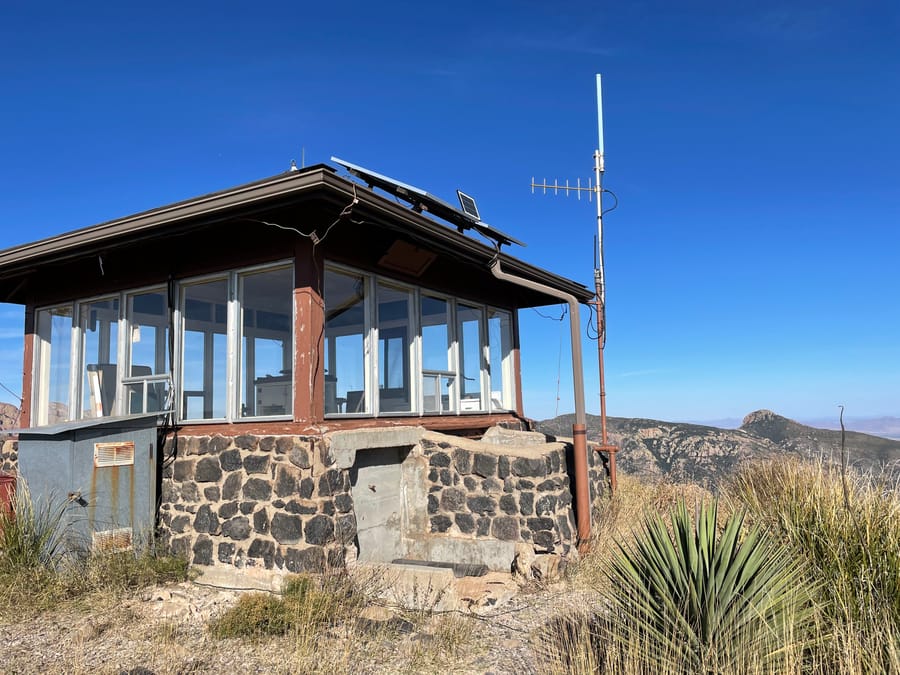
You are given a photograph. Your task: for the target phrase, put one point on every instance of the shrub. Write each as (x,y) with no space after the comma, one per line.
(846,528)
(32,535)
(689,601)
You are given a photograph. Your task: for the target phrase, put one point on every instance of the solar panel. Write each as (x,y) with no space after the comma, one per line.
(420,200)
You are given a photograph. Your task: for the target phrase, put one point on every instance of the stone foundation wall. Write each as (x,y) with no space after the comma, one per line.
(489,493)
(9,456)
(248,501)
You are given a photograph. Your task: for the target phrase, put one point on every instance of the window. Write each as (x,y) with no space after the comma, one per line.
(345,343)
(99,322)
(266,342)
(53,365)
(147,385)
(204,351)
(432,354)
(92,359)
(394,349)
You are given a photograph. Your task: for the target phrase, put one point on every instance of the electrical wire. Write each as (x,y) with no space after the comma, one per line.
(565,310)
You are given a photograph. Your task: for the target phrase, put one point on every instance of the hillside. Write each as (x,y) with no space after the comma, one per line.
(683,452)
(9,416)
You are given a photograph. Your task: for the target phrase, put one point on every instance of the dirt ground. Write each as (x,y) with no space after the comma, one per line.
(164,630)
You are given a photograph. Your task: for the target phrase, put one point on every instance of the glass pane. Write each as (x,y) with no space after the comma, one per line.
(266,344)
(53,376)
(100,331)
(469,319)
(500,341)
(148,346)
(435,334)
(394,340)
(204,350)
(345,331)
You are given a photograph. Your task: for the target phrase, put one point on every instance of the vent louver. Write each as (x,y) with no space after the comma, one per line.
(114,454)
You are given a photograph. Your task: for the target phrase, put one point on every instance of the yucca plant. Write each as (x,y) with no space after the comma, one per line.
(698,601)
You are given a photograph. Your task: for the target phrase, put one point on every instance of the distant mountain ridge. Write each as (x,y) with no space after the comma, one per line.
(682,451)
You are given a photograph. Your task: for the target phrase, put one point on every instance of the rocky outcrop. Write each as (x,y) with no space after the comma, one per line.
(9,456)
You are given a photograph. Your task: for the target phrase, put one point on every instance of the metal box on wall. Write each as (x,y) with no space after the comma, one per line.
(106,469)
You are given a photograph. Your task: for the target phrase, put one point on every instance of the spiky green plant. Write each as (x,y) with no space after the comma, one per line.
(697,602)
(32,535)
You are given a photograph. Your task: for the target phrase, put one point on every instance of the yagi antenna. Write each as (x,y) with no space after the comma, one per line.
(594,189)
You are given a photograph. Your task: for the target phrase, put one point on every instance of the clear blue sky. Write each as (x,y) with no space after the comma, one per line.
(754,149)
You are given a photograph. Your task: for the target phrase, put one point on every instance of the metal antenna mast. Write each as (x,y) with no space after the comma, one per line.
(595,189)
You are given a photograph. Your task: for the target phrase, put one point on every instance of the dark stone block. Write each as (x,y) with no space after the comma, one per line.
(206,520)
(181,547)
(246,442)
(470,483)
(484,465)
(202,447)
(555,463)
(343,503)
(490,485)
(433,476)
(525,484)
(248,507)
(208,470)
(319,530)
(203,549)
(548,485)
(483,526)
(258,488)
(286,529)
(345,527)
(440,523)
(330,483)
(294,506)
(256,463)
(179,524)
(505,528)
(311,560)
(232,486)
(564,499)
(228,510)
(236,528)
(526,503)
(432,504)
(261,521)
(327,507)
(230,460)
(508,504)
(283,444)
(503,467)
(286,484)
(299,457)
(336,558)
(183,469)
(439,459)
(278,503)
(465,522)
(435,488)
(267,443)
(226,552)
(535,524)
(453,499)
(307,485)
(262,548)
(482,505)
(509,484)
(543,540)
(546,505)
(462,459)
(212,493)
(219,443)
(446,477)
(530,467)
(444,445)
(564,529)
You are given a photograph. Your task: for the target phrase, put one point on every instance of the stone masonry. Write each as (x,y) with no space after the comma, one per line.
(9,456)
(248,501)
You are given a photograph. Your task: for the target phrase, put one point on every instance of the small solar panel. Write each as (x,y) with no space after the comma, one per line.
(469,207)
(464,219)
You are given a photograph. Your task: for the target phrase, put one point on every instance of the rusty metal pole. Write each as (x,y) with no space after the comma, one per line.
(579,429)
